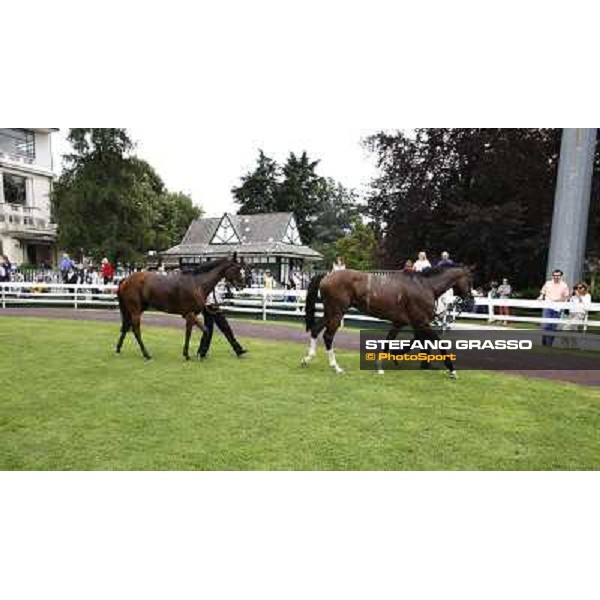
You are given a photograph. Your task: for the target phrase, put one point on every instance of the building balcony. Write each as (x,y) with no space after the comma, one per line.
(26,223)
(24,164)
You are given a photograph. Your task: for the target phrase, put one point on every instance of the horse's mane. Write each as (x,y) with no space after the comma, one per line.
(203,267)
(433,271)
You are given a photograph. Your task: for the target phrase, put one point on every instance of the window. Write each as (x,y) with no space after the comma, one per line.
(18,142)
(15,189)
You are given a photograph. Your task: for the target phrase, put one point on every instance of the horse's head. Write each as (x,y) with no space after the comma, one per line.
(463,287)
(235,273)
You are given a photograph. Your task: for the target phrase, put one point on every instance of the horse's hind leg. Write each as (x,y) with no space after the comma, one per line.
(125,327)
(191,319)
(135,325)
(331,328)
(314,334)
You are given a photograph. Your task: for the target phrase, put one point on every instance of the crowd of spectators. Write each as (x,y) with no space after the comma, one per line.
(68,271)
(555,290)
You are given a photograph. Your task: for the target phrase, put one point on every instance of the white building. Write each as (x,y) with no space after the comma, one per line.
(26,174)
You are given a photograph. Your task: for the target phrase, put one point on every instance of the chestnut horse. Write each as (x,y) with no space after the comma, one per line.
(403,298)
(182,294)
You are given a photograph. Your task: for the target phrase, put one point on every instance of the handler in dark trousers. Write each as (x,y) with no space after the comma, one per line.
(213,314)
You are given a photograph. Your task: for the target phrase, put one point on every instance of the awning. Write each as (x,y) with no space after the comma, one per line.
(36,237)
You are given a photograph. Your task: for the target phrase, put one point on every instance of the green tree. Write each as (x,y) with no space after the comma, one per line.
(301,192)
(358,249)
(324,209)
(108,203)
(337,213)
(170,215)
(486,195)
(259,189)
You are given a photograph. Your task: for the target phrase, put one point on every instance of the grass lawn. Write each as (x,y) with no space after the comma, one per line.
(68,402)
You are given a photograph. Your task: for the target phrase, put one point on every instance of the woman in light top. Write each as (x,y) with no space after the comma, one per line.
(504,293)
(339,264)
(579,304)
(578,308)
(268,280)
(422,262)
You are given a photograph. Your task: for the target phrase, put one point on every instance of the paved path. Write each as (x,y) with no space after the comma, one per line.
(348,340)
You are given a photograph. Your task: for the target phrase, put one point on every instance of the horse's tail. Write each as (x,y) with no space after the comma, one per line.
(124,314)
(311,300)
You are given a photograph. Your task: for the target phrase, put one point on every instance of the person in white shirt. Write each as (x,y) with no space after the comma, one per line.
(504,293)
(338,264)
(443,304)
(492,295)
(554,290)
(579,305)
(578,308)
(422,262)
(268,280)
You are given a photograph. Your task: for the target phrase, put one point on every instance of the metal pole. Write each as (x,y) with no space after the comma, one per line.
(572,203)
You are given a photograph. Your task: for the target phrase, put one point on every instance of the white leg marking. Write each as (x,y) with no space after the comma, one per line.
(312,352)
(333,362)
(453,374)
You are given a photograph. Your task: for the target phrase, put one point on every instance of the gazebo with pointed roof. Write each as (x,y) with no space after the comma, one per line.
(265,241)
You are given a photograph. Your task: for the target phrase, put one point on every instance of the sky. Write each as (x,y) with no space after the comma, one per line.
(206,162)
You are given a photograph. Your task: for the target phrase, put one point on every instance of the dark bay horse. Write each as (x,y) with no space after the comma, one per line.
(402,298)
(182,294)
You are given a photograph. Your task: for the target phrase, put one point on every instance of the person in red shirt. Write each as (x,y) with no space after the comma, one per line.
(409,267)
(107,271)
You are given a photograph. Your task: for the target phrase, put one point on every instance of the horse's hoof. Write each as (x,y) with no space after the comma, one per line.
(148,357)
(304,362)
(453,374)
(380,372)
(340,371)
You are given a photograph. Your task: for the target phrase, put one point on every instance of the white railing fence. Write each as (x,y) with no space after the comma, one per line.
(265,302)
(46,294)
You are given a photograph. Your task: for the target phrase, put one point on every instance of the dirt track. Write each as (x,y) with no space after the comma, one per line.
(257,329)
